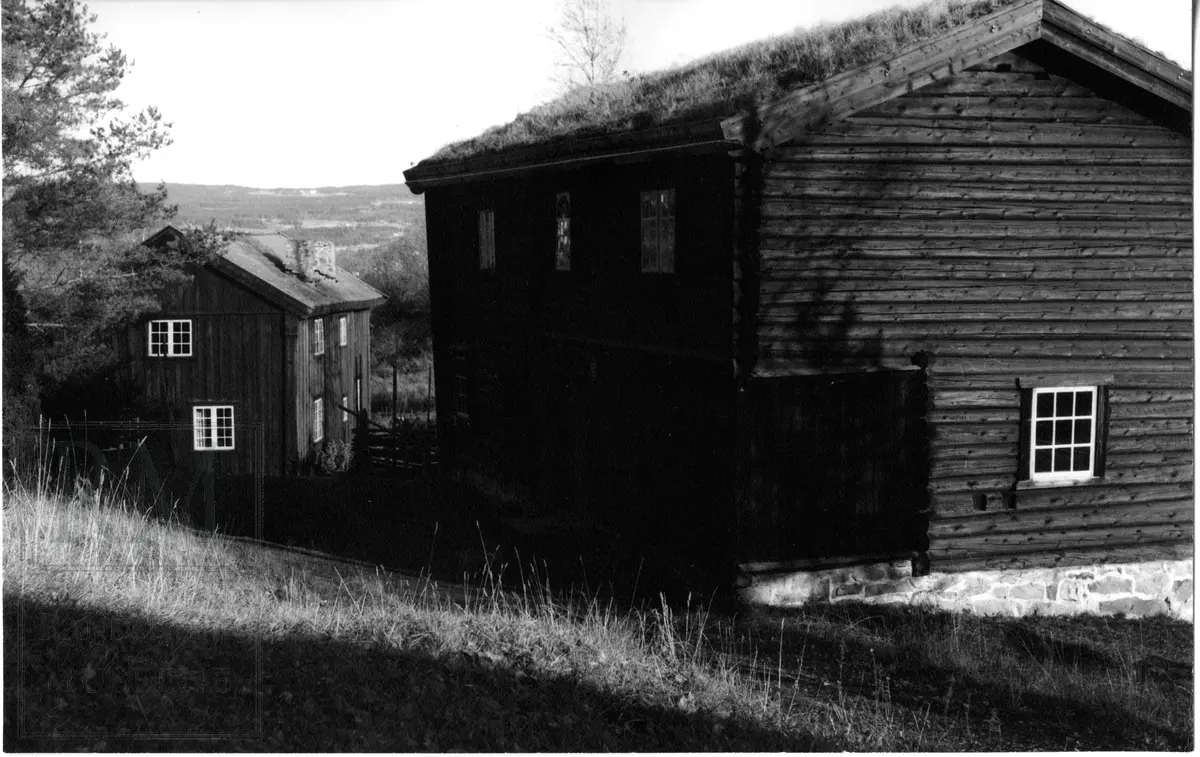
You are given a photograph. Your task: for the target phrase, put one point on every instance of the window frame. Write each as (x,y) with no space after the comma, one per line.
(213,433)
(345,410)
(343,330)
(1095,434)
(170,344)
(318,337)
(562,231)
(660,199)
(317,420)
(487,239)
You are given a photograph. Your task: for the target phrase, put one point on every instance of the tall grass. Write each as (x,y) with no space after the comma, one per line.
(847,676)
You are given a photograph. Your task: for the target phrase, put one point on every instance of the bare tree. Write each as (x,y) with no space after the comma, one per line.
(590,41)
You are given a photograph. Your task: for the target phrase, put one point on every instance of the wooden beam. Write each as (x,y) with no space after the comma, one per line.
(1115,65)
(811,107)
(1116,54)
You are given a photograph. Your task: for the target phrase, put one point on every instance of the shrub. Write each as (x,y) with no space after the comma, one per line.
(335,457)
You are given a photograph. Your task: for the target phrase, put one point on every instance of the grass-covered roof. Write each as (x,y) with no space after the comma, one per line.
(726,83)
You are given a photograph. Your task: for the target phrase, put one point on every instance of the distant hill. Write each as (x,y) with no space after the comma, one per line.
(353,217)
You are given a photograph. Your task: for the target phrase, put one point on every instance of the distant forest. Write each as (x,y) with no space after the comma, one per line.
(352,217)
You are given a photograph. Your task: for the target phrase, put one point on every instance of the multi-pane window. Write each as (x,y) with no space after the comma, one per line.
(170,338)
(212,427)
(318,420)
(487,240)
(1063,434)
(658,231)
(345,409)
(318,326)
(342,330)
(562,250)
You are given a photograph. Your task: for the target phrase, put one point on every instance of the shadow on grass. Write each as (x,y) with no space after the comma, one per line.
(452,533)
(1083,663)
(78,677)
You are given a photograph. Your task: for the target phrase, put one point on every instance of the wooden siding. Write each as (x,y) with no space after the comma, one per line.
(833,466)
(561,366)
(237,359)
(1025,221)
(327,376)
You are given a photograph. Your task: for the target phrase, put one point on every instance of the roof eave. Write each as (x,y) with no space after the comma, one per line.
(628,146)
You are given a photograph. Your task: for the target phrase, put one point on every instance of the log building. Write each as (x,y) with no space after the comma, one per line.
(270,340)
(925,317)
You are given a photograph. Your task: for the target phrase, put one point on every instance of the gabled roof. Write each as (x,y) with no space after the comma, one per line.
(741,105)
(265,265)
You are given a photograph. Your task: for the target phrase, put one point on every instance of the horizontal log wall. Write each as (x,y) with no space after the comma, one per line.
(1026,221)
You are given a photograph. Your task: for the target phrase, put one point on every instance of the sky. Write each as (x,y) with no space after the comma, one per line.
(313,93)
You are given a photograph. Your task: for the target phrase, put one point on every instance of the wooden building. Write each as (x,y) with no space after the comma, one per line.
(270,340)
(933,308)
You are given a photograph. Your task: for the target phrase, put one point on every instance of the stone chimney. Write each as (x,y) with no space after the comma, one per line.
(304,263)
(323,258)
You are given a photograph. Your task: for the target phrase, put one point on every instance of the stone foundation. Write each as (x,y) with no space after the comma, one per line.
(1162,587)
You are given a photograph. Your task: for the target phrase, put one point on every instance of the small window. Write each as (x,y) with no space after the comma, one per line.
(212,427)
(171,338)
(487,240)
(342,331)
(461,386)
(345,409)
(318,420)
(658,231)
(318,336)
(562,250)
(358,402)
(1063,433)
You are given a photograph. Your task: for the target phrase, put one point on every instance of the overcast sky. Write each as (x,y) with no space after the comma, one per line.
(306,93)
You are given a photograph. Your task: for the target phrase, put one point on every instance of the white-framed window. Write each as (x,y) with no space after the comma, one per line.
(343,330)
(212,427)
(487,240)
(318,326)
(562,247)
(658,231)
(170,338)
(318,419)
(358,401)
(1062,438)
(345,409)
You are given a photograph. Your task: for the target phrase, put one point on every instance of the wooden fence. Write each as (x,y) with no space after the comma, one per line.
(409,449)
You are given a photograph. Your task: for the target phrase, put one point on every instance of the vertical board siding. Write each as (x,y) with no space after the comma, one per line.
(1023,219)
(558,360)
(236,360)
(835,467)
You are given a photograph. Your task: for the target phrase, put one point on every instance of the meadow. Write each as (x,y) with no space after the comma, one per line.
(128,632)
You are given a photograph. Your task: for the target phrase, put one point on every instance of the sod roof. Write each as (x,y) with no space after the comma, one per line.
(726,83)
(740,80)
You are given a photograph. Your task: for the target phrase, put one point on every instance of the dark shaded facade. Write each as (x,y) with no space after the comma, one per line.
(938,307)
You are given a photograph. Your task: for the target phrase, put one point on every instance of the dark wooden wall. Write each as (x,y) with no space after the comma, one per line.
(237,358)
(1025,222)
(328,376)
(564,365)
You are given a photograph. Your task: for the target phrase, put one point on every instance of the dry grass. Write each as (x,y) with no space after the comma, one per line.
(726,83)
(278,650)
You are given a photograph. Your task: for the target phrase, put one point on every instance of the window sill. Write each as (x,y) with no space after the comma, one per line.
(1060,484)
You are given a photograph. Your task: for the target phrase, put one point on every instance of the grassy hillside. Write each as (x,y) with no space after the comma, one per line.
(122,633)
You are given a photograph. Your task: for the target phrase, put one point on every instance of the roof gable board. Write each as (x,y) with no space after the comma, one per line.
(816,105)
